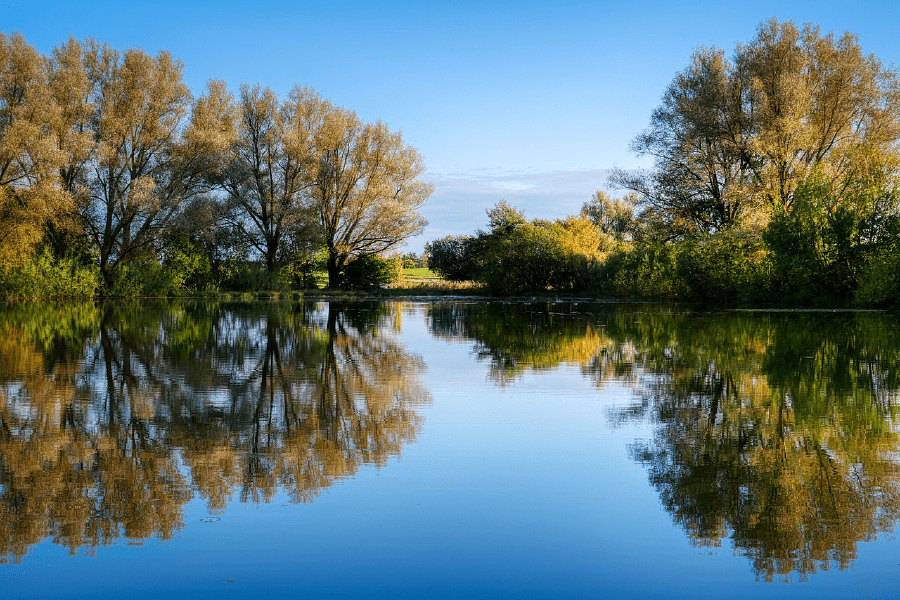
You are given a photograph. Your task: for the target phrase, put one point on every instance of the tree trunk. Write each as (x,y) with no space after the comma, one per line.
(106,272)
(335,265)
(271,265)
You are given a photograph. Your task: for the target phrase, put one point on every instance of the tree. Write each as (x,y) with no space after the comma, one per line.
(454,257)
(827,244)
(614,216)
(366,190)
(734,138)
(151,145)
(270,169)
(30,196)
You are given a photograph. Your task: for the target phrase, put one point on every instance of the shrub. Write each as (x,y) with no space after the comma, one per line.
(532,258)
(454,257)
(371,271)
(879,281)
(42,275)
(732,265)
(644,270)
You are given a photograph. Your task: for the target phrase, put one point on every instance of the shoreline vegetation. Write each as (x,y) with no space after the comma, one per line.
(775,182)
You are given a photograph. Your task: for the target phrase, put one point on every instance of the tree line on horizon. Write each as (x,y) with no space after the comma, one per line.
(114,179)
(775,178)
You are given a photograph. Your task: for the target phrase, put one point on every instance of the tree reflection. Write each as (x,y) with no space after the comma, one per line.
(113,416)
(518,337)
(776,430)
(782,434)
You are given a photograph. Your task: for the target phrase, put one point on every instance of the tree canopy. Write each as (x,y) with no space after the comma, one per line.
(366,190)
(105,155)
(735,137)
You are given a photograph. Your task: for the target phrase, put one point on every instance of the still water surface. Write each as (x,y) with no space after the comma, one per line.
(446,449)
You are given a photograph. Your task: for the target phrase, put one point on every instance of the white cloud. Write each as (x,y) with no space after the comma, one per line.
(461,200)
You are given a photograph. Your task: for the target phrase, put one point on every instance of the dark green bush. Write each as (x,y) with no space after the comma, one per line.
(529,258)
(643,271)
(454,257)
(835,245)
(730,266)
(368,272)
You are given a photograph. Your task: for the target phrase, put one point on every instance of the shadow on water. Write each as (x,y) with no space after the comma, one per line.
(114,416)
(776,430)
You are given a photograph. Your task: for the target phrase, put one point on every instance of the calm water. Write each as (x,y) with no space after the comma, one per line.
(448,449)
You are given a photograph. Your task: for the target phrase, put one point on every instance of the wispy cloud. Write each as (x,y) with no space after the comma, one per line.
(461,200)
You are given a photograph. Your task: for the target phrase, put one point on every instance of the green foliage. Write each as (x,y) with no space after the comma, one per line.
(503,217)
(45,276)
(142,276)
(531,258)
(614,216)
(836,244)
(516,256)
(185,269)
(879,281)
(247,276)
(797,265)
(454,257)
(371,271)
(190,266)
(646,270)
(727,267)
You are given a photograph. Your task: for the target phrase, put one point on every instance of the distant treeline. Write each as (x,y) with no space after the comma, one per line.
(115,180)
(776,178)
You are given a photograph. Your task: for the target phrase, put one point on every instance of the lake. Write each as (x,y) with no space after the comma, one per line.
(452,448)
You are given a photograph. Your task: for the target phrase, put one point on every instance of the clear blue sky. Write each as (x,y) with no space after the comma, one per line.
(525,101)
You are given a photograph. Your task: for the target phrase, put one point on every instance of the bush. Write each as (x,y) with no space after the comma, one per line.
(454,257)
(371,271)
(831,242)
(732,265)
(248,276)
(189,266)
(879,281)
(43,276)
(798,268)
(537,257)
(644,270)
(184,269)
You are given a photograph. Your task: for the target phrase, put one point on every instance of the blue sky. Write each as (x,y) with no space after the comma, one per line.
(531,102)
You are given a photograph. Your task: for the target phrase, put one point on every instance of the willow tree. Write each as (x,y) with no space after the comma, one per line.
(138,146)
(366,189)
(269,170)
(30,195)
(734,138)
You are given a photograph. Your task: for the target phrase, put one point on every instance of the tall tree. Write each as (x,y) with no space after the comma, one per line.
(151,146)
(269,169)
(734,137)
(614,216)
(366,189)
(30,197)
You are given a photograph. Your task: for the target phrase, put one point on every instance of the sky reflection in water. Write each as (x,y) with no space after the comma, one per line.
(457,449)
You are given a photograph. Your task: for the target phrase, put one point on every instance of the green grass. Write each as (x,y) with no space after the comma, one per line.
(411,275)
(420,273)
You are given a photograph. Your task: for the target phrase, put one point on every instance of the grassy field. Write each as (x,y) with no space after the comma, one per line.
(420,273)
(420,281)
(409,275)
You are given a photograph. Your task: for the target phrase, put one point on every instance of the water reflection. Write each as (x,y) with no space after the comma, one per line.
(516,337)
(777,430)
(113,416)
